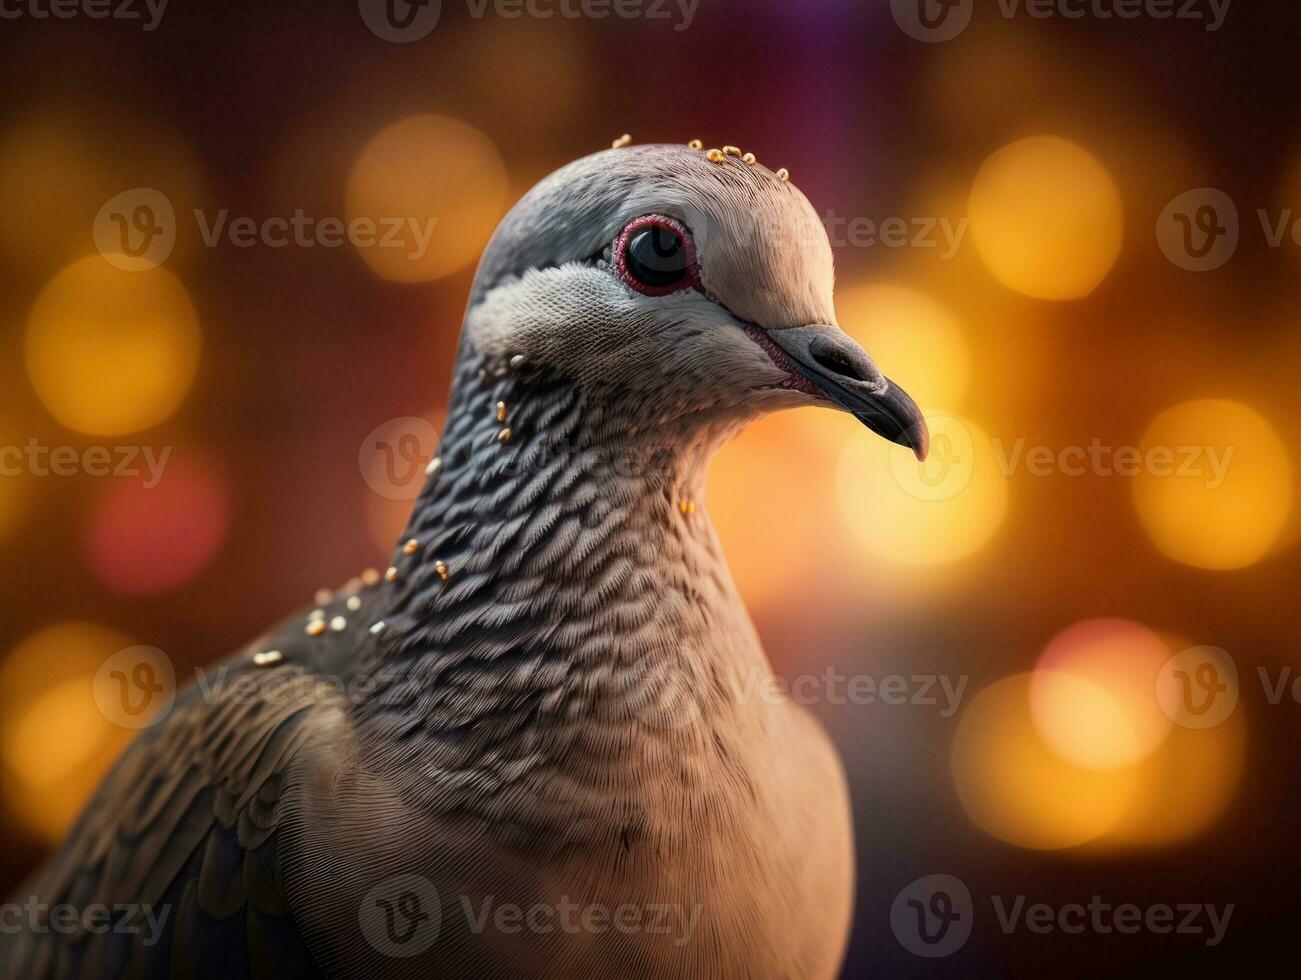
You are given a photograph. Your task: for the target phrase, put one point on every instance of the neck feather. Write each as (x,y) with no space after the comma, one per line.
(586,607)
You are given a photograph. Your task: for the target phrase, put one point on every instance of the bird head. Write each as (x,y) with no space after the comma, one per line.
(699,286)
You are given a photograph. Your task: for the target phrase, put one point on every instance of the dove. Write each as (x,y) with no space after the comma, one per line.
(526,749)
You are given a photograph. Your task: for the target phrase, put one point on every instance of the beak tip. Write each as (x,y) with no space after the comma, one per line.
(919,441)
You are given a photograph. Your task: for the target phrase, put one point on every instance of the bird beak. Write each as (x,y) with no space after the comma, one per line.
(827,360)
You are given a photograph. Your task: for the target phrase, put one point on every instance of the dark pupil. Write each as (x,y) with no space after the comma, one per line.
(656,257)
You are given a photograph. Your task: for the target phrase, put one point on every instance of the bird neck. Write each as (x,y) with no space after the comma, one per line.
(564,578)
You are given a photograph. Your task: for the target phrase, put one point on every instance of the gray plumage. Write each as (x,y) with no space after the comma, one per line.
(565,710)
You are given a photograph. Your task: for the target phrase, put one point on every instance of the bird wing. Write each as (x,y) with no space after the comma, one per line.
(181,840)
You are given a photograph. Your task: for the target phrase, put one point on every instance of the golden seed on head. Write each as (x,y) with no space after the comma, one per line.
(267,657)
(370,577)
(621,142)
(716,156)
(732,151)
(501,411)
(411,547)
(682,506)
(441,568)
(784,175)
(354,603)
(691,506)
(391,575)
(696,145)
(503,435)
(750,159)
(323,596)
(433,466)
(315,628)
(338,623)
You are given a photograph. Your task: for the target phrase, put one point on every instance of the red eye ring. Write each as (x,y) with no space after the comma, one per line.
(691,275)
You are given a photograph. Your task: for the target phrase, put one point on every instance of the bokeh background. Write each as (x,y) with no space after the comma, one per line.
(291,391)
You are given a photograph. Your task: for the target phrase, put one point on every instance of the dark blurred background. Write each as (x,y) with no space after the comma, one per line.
(1034,223)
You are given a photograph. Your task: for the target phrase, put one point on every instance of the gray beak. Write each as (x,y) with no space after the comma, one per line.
(839,370)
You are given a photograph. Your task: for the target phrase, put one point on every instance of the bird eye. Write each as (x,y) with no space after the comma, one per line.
(655,255)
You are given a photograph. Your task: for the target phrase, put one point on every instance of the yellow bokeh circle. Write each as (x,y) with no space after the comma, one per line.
(1019,790)
(1185,785)
(923,513)
(1093,695)
(55,742)
(110,351)
(433,190)
(1216,485)
(1046,218)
